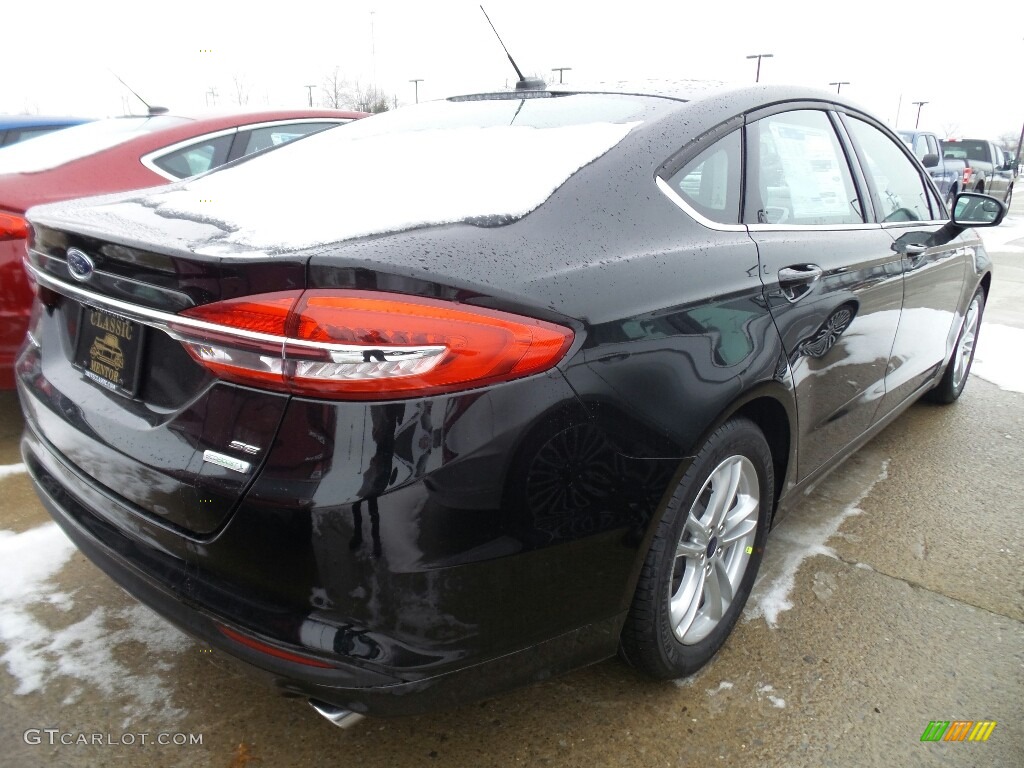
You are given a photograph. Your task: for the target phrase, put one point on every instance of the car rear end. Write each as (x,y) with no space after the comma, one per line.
(366,478)
(184,429)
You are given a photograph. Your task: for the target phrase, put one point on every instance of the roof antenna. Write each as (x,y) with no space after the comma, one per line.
(524,83)
(152,110)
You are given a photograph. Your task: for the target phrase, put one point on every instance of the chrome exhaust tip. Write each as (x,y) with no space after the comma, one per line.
(343,718)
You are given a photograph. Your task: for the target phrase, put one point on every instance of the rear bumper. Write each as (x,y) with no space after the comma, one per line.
(388,597)
(162,585)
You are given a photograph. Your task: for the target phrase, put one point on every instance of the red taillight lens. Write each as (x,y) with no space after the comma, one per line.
(13,227)
(968,172)
(365,345)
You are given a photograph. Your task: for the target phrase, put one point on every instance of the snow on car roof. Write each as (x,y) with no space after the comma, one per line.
(432,164)
(78,141)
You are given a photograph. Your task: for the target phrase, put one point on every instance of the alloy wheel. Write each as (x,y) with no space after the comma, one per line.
(713,551)
(965,348)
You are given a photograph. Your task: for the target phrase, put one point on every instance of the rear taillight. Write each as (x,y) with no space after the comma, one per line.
(968,172)
(365,345)
(12,227)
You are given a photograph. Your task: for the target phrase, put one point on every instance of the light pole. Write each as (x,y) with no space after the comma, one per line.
(919,105)
(416,83)
(560,70)
(310,89)
(759,56)
(839,84)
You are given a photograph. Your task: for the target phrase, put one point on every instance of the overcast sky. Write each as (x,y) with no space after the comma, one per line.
(57,55)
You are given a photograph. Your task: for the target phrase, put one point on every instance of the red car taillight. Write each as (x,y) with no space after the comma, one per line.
(366,345)
(12,227)
(968,172)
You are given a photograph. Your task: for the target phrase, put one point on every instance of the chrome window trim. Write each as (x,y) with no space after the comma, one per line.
(163,321)
(923,223)
(674,196)
(149,158)
(868,225)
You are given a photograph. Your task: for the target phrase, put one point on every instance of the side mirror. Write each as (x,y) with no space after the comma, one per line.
(930,161)
(971,209)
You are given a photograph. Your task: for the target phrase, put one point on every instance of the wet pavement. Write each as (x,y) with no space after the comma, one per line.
(891,597)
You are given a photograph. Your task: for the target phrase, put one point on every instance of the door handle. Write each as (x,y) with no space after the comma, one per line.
(795,280)
(914,251)
(799,274)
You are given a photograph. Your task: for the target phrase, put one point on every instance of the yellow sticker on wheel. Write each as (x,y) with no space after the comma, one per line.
(750,550)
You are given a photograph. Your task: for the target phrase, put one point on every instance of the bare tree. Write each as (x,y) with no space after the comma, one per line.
(1008,141)
(950,130)
(336,91)
(372,99)
(241,90)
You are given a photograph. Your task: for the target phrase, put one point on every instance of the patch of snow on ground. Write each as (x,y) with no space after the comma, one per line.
(766,690)
(88,649)
(725,685)
(998,356)
(11,469)
(27,563)
(796,539)
(1003,237)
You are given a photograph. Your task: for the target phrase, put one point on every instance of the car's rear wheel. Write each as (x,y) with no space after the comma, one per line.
(954,379)
(704,556)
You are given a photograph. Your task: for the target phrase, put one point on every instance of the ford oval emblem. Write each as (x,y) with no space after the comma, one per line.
(79,265)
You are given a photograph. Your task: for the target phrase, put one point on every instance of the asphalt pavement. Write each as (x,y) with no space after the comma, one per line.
(893,596)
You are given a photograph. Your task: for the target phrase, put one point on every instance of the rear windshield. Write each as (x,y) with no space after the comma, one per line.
(966,150)
(488,162)
(79,141)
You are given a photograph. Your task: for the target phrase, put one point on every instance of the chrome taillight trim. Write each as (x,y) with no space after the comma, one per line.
(175,325)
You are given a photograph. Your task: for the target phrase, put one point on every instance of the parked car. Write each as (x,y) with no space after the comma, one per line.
(114,155)
(15,128)
(949,174)
(489,388)
(991,172)
(1012,162)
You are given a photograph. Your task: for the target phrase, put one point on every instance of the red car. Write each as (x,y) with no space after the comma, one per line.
(117,155)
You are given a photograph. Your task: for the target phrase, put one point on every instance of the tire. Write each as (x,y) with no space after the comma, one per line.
(954,378)
(672,630)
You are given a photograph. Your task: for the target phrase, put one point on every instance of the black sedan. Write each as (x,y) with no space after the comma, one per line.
(489,388)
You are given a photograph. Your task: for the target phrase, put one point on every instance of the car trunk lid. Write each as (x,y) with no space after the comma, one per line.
(119,398)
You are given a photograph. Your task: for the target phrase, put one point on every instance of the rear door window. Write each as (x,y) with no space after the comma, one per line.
(276,135)
(798,173)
